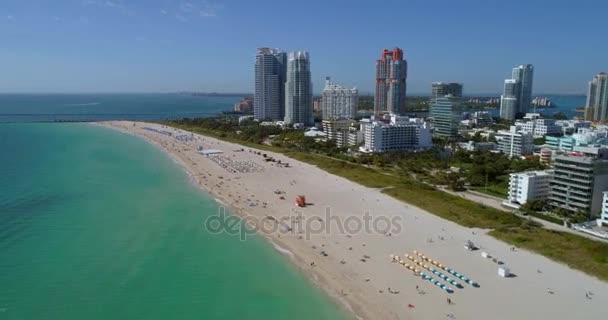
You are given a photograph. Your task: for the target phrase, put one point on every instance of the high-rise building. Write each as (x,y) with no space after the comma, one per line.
(338,102)
(597,98)
(269,96)
(517,96)
(509,100)
(579,182)
(440,89)
(298,90)
(391,86)
(446,112)
(524,74)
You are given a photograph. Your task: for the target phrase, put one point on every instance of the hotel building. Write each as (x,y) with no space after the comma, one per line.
(397,134)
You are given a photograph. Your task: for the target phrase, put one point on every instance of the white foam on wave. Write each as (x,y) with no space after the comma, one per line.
(282,250)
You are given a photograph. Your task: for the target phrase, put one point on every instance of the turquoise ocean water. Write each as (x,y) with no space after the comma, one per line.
(86,107)
(96,224)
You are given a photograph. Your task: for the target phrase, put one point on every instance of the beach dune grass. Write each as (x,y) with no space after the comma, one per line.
(575,251)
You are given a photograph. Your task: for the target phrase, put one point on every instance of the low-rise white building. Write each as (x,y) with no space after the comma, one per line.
(539,127)
(331,127)
(515,142)
(527,186)
(482,119)
(342,131)
(397,134)
(477,146)
(350,137)
(572,126)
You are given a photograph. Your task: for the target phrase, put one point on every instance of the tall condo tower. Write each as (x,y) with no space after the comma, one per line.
(597,97)
(338,102)
(298,89)
(441,89)
(509,100)
(525,75)
(391,85)
(269,95)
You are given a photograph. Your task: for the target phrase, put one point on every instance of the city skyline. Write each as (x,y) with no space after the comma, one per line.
(166,46)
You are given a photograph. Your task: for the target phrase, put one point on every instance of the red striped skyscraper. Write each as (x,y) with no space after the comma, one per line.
(391,75)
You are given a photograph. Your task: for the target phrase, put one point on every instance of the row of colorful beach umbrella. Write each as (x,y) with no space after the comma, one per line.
(435,282)
(462,277)
(451,271)
(420,273)
(444,277)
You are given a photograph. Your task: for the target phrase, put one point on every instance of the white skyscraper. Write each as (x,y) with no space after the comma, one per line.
(517,95)
(298,90)
(269,95)
(597,97)
(525,75)
(338,102)
(509,100)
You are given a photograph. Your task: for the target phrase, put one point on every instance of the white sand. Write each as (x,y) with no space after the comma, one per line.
(525,296)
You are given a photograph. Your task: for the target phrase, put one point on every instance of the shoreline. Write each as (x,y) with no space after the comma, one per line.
(361,287)
(274,242)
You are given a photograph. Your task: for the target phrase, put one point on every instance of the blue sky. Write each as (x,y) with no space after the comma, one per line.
(209,45)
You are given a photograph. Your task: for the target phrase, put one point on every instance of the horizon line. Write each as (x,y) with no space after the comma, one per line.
(245,94)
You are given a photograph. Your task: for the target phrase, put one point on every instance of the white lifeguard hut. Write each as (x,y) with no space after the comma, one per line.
(504,272)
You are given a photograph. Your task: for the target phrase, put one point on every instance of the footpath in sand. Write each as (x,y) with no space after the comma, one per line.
(355,267)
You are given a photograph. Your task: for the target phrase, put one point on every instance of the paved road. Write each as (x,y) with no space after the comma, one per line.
(496,202)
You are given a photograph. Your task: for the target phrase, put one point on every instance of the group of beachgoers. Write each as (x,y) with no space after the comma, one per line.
(236,166)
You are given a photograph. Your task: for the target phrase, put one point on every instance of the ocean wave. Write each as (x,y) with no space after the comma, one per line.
(282,250)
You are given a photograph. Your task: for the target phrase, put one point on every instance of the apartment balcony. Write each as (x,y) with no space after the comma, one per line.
(583,178)
(573,182)
(568,167)
(568,194)
(568,205)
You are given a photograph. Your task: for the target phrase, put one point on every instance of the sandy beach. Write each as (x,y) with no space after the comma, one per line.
(355,268)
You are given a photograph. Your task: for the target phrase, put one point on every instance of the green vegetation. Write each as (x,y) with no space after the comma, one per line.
(575,251)
(405,176)
(538,209)
(500,188)
(539,141)
(413,103)
(366,103)
(501,124)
